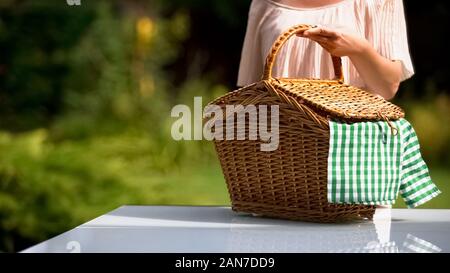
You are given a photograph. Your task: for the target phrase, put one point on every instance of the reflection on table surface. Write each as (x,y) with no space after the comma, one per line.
(219,229)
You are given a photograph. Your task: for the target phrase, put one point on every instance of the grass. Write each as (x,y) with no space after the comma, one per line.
(206,186)
(202,185)
(440,176)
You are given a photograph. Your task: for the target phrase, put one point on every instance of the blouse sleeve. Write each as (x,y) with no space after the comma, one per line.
(388,33)
(251,65)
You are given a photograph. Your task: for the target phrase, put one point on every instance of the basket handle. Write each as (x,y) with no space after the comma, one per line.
(270,60)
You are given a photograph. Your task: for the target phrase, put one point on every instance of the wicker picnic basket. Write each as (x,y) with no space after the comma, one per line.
(291,181)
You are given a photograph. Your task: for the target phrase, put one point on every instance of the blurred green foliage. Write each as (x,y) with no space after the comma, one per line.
(430,117)
(85,113)
(85,99)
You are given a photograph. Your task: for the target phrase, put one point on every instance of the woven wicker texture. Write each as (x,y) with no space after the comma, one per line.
(291,182)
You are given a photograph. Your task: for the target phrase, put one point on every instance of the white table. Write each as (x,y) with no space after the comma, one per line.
(219,229)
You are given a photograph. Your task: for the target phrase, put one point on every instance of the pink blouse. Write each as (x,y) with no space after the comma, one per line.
(381,22)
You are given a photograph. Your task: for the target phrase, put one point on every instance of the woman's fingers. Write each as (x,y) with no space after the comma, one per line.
(320,39)
(327,46)
(327,38)
(300,33)
(322,32)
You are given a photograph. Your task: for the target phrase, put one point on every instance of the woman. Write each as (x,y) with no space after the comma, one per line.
(369,35)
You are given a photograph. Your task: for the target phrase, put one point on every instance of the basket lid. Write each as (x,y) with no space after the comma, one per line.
(336,100)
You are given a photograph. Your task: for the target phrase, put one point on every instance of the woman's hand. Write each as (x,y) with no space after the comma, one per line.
(381,75)
(335,42)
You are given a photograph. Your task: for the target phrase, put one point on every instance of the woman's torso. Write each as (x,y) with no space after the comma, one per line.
(381,22)
(303,58)
(300,57)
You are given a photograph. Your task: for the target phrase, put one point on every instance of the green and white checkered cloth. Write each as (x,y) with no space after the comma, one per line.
(367,164)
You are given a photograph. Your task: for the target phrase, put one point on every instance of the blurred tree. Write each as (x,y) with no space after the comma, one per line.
(34,39)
